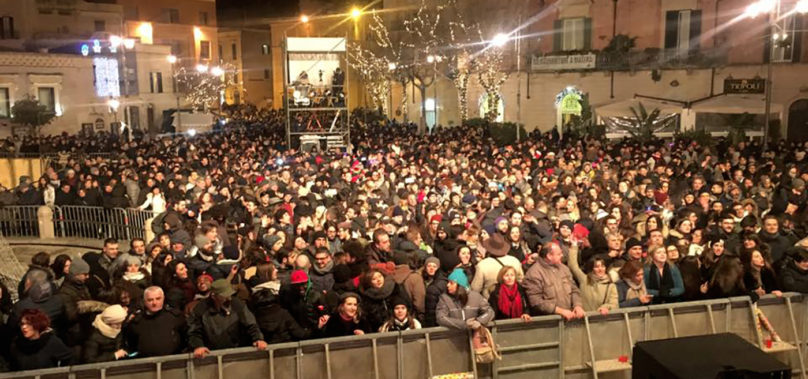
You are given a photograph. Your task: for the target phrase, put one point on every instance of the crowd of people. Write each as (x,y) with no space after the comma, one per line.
(257,244)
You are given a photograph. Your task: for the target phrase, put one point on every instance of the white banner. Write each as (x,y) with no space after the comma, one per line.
(563,62)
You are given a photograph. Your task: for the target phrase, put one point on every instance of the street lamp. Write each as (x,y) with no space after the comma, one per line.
(499,40)
(202,68)
(355,13)
(304,19)
(771,8)
(216,71)
(173,60)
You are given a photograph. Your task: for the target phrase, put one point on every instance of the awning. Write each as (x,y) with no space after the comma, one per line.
(622,108)
(193,120)
(753,104)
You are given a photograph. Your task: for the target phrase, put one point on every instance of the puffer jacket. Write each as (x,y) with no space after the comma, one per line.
(452,314)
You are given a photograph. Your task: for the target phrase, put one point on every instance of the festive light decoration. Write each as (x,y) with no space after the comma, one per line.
(202,88)
(106,77)
(491,77)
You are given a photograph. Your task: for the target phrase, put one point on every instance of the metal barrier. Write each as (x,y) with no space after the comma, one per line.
(545,347)
(98,222)
(19,220)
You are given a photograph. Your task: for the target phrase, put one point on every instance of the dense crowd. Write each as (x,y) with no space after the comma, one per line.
(256,244)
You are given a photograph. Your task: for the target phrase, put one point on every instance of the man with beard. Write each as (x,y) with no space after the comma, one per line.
(222,322)
(321,272)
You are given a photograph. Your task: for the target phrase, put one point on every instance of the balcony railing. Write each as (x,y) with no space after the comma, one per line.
(650,59)
(647,59)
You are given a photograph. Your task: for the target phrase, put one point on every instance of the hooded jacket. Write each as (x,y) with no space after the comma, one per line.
(413,284)
(41,296)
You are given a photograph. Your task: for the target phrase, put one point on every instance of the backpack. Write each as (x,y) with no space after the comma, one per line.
(487,351)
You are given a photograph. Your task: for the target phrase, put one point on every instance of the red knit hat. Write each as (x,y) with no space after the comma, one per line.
(299,276)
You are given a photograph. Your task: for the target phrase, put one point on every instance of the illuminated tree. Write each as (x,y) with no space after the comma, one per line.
(491,76)
(374,72)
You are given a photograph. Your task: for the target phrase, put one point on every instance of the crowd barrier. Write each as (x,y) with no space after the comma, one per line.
(74,222)
(545,347)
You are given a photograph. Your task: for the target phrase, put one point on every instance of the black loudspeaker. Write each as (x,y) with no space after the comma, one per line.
(725,356)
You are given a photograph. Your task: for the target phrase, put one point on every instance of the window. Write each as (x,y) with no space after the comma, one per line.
(682,31)
(203,18)
(5,103)
(204,49)
(7,28)
(234,50)
(130,12)
(785,43)
(171,15)
(156,82)
(573,34)
(47,97)
(264,49)
(266,73)
(100,25)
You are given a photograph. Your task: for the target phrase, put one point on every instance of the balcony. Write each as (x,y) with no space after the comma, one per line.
(648,59)
(653,58)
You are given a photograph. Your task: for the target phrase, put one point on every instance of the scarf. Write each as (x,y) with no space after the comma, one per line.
(635,290)
(510,301)
(663,284)
(105,329)
(133,276)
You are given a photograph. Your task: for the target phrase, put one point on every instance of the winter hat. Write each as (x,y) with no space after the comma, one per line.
(498,220)
(172,220)
(222,287)
(432,259)
(580,231)
(299,276)
(113,314)
(348,294)
(398,300)
(459,276)
(437,218)
(201,240)
(270,240)
(632,242)
(79,266)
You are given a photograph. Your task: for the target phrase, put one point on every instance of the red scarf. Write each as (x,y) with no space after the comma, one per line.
(510,301)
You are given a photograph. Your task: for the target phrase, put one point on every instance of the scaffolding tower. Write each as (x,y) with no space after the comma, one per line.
(315,93)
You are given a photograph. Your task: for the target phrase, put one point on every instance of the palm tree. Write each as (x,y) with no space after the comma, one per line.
(644,124)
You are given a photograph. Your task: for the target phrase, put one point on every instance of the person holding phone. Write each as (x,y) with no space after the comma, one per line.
(106,342)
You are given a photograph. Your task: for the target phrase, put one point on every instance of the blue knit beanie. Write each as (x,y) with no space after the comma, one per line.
(459,276)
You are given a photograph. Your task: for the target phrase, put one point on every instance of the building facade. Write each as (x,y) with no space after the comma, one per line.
(681,51)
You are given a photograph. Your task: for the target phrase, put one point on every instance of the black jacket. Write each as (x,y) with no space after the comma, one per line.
(214,329)
(156,334)
(433,292)
(78,325)
(377,303)
(100,348)
(276,323)
(45,352)
(337,327)
(794,278)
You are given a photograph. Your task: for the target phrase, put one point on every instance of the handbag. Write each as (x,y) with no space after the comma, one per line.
(487,351)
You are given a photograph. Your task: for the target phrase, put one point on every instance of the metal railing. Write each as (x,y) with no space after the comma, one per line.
(19,220)
(76,222)
(545,347)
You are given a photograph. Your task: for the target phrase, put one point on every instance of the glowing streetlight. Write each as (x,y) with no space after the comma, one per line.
(201,68)
(114,104)
(430,58)
(172,59)
(802,7)
(355,13)
(129,43)
(191,132)
(499,40)
(391,66)
(216,71)
(304,19)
